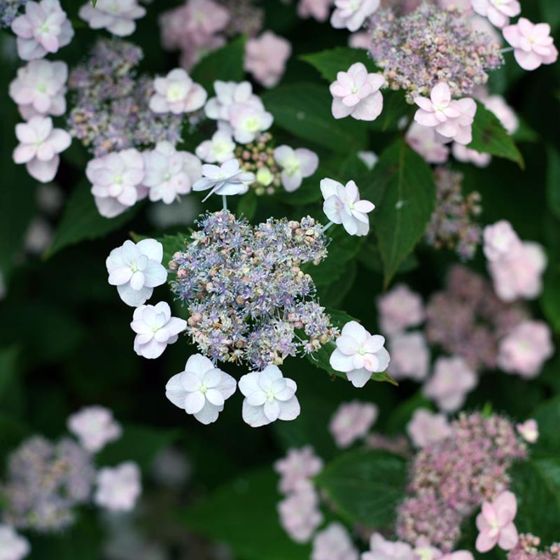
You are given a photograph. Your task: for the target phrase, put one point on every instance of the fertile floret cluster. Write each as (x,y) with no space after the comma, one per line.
(528,548)
(44,483)
(9,10)
(431,45)
(451,478)
(111,102)
(248,298)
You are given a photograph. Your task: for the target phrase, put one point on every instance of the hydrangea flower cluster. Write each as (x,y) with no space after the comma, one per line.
(451,478)
(245,291)
(528,547)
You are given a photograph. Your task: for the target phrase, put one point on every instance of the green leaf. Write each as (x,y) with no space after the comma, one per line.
(243,515)
(305,110)
(339,59)
(247,205)
(81,221)
(547,416)
(551,12)
(139,444)
(225,63)
(553,181)
(403,191)
(550,297)
(8,360)
(365,486)
(490,137)
(335,292)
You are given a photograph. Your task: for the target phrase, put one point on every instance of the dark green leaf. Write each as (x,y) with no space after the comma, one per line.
(247,205)
(490,137)
(305,111)
(243,515)
(547,416)
(550,298)
(81,221)
(553,181)
(551,12)
(402,188)
(339,59)
(365,486)
(225,63)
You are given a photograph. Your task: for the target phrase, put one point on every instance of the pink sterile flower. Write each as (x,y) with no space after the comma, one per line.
(450,383)
(410,356)
(266,56)
(342,205)
(356,94)
(296,165)
(525,349)
(219,149)
(500,241)
(381,549)
(317,9)
(116,180)
(464,6)
(532,43)
(519,274)
(352,421)
(12,545)
(44,28)
(116,16)
(333,543)
(118,488)
(39,147)
(228,95)
(528,430)
(399,309)
(425,142)
(155,328)
(497,11)
(351,14)
(39,88)
(300,515)
(458,555)
(497,104)
(495,523)
(95,427)
(297,469)
(177,93)
(358,354)
(427,427)
(467,155)
(360,40)
(452,119)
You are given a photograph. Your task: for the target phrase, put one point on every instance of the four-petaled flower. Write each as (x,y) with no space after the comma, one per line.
(155,329)
(351,14)
(495,523)
(269,396)
(356,94)
(358,354)
(226,179)
(116,16)
(342,205)
(177,93)
(296,165)
(201,389)
(136,269)
(118,488)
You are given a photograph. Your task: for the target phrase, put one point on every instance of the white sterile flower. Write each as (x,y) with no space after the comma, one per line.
(155,329)
(169,173)
(269,396)
(136,269)
(358,354)
(343,206)
(296,165)
(201,389)
(39,88)
(248,120)
(39,147)
(228,94)
(43,28)
(12,545)
(177,93)
(94,426)
(218,149)
(226,179)
(352,14)
(116,16)
(497,11)
(118,488)
(116,180)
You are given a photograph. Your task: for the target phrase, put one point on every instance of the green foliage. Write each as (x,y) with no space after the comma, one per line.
(365,487)
(553,181)
(402,188)
(332,61)
(243,515)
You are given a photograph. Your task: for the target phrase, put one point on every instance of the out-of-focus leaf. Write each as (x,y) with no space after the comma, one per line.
(551,12)
(547,416)
(243,515)
(247,205)
(550,298)
(139,444)
(225,63)
(490,137)
(305,111)
(339,59)
(553,181)
(365,486)
(403,191)
(81,221)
